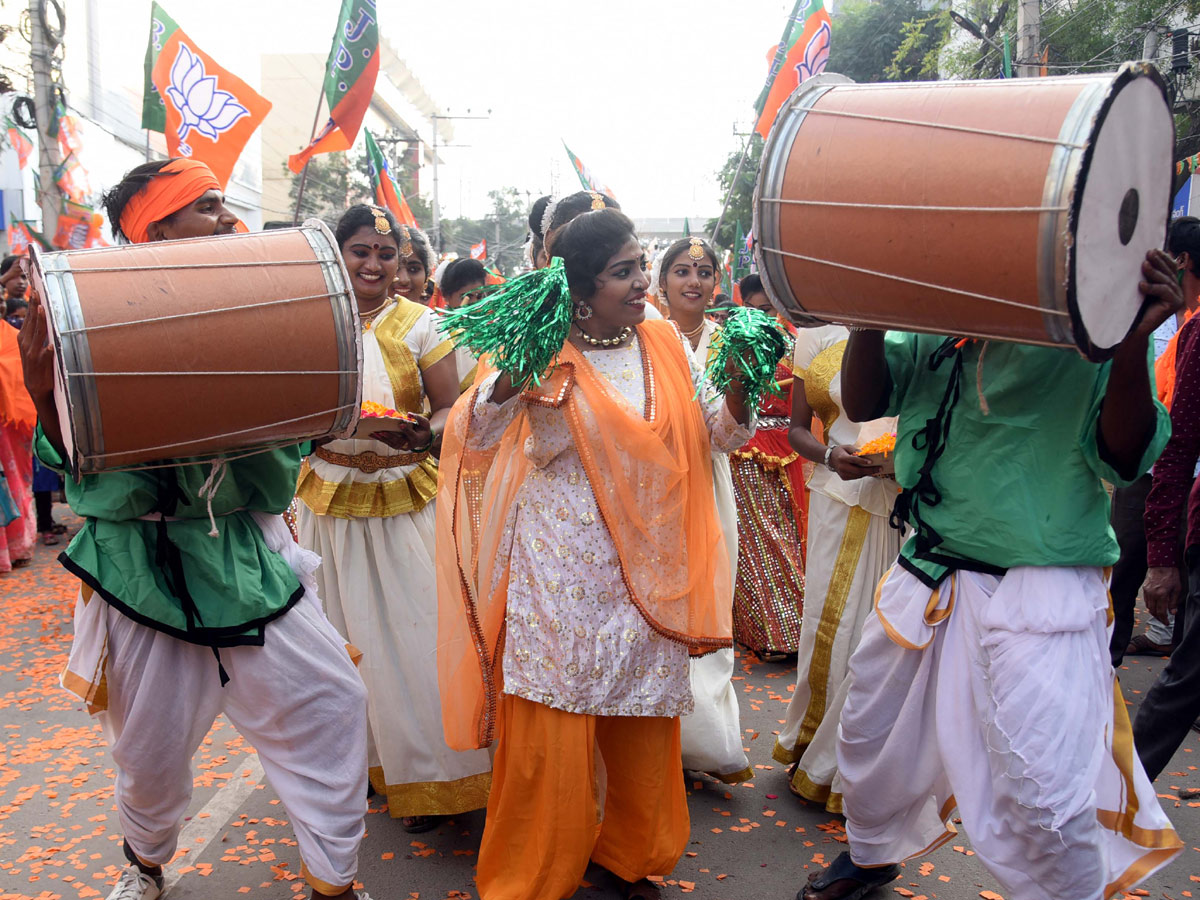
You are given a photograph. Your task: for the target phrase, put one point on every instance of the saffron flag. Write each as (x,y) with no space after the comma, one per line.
(73,232)
(493,276)
(19,237)
(19,142)
(479,251)
(210,112)
(350,73)
(387,190)
(586,178)
(802,52)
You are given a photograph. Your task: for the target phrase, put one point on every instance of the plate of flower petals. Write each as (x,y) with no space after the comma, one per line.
(377,417)
(880,452)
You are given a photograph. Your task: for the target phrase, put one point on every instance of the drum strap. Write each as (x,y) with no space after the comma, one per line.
(932,439)
(170,561)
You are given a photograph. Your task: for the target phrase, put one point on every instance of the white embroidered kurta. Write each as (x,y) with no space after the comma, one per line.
(375,533)
(574,640)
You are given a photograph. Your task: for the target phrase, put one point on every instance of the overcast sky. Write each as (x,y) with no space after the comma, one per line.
(646,92)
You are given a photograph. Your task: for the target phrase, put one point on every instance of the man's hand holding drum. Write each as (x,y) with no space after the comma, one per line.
(37,361)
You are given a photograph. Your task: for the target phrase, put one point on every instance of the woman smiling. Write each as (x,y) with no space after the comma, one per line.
(579,522)
(367,506)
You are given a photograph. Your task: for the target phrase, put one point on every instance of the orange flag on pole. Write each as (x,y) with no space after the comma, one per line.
(801,53)
(210,112)
(479,251)
(350,73)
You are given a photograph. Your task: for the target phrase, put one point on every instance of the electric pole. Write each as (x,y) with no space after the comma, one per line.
(1150,44)
(44,45)
(1029,37)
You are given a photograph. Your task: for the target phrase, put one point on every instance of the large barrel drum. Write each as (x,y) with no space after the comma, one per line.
(215,345)
(1015,210)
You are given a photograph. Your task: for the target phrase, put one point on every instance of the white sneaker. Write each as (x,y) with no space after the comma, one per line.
(362,895)
(135,884)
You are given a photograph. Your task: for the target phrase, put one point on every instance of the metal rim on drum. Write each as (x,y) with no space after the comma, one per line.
(1083,161)
(350,352)
(72,352)
(770,185)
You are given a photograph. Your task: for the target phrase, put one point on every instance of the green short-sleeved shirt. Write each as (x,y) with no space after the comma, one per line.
(1020,484)
(236,584)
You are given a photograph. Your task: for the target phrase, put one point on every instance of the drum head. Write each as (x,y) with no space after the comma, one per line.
(1120,206)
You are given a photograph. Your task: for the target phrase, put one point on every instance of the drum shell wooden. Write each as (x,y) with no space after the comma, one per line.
(223,344)
(1008,273)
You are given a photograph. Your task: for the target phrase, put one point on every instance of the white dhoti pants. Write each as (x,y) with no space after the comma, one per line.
(297,699)
(996,695)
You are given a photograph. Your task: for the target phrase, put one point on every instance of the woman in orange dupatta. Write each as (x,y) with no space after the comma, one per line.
(580,563)
(17,420)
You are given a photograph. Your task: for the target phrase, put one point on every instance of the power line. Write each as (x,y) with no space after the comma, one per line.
(1169,11)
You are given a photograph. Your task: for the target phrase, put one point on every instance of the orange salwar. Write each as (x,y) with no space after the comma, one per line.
(545,818)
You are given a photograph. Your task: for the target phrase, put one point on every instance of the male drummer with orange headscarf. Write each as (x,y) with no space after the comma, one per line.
(175,624)
(983,678)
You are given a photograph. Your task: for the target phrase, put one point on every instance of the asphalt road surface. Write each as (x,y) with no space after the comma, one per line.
(59,836)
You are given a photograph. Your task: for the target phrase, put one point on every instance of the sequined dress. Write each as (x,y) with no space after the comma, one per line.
(574,640)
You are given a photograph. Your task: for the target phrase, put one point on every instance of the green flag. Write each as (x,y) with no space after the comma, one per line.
(687,227)
(162,26)
(350,73)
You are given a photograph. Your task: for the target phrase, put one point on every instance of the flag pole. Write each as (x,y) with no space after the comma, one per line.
(776,64)
(729,194)
(304,171)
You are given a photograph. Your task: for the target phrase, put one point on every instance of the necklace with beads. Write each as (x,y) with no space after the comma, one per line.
(695,331)
(605,342)
(368,318)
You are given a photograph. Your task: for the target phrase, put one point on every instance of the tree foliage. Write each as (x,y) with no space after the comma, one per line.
(335,182)
(505,228)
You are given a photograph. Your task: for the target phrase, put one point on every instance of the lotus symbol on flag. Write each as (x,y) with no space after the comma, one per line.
(816,54)
(201,104)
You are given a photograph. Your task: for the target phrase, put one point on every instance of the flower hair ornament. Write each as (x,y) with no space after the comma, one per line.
(548,215)
(522,326)
(382,226)
(696,249)
(406,244)
(597,200)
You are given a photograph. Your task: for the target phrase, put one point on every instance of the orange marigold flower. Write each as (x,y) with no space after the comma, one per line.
(884,444)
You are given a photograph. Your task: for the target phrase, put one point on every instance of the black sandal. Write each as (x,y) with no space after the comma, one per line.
(858,881)
(420,824)
(644,889)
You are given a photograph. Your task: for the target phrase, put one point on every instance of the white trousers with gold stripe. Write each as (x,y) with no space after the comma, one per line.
(996,695)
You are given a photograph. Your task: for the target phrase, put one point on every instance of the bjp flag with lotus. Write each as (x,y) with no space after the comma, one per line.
(209,113)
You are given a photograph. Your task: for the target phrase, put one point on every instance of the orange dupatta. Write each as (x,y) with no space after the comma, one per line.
(16,406)
(1164,367)
(651,474)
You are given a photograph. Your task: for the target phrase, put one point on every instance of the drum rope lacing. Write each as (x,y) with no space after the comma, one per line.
(202,312)
(908,208)
(924,284)
(178,444)
(222,372)
(941,126)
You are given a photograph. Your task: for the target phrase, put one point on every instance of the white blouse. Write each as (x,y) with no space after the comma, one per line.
(574,640)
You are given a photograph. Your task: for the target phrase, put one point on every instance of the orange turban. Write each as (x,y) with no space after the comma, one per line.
(183,181)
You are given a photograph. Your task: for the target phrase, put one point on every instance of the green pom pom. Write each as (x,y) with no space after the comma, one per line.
(522,326)
(747,349)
